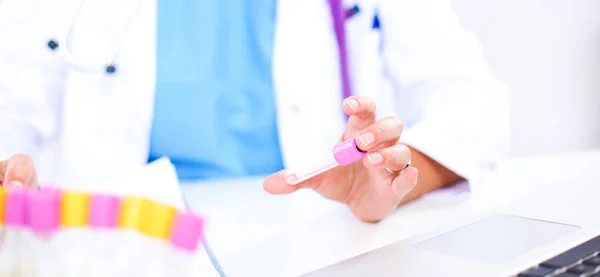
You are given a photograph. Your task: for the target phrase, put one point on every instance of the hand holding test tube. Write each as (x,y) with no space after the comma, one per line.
(369,170)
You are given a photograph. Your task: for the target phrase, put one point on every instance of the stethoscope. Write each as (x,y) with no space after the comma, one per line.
(338,12)
(67,56)
(61,47)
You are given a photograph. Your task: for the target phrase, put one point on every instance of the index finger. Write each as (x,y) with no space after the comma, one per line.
(20,168)
(3,165)
(362,114)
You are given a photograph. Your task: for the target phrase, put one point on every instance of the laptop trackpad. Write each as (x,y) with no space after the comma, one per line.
(497,238)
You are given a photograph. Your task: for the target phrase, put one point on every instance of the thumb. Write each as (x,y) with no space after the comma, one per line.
(19,168)
(276,184)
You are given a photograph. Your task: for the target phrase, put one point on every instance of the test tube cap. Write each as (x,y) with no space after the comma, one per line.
(51,187)
(347,152)
(159,224)
(104,211)
(188,228)
(43,212)
(135,213)
(2,204)
(16,206)
(74,209)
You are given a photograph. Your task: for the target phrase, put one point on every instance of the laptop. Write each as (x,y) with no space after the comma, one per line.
(554,232)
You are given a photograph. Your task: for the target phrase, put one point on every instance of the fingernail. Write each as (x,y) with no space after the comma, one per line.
(366,139)
(353,103)
(375,158)
(16,184)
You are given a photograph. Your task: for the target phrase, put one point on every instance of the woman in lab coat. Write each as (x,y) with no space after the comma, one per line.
(237,89)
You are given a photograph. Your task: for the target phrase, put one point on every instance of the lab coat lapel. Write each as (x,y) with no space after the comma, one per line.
(306,80)
(107,118)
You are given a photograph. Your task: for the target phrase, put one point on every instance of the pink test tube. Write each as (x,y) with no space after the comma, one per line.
(16,207)
(186,233)
(44,211)
(187,230)
(104,211)
(43,216)
(14,238)
(343,153)
(107,240)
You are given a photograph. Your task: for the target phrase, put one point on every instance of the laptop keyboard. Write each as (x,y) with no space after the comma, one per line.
(580,261)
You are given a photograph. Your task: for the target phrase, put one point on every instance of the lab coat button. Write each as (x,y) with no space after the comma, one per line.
(52,44)
(111,69)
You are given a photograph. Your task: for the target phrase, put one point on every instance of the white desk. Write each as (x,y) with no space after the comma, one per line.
(256,234)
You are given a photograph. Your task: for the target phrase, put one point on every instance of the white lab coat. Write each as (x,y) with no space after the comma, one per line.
(423,67)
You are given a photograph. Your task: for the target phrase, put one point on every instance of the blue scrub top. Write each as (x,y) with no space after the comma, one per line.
(215,115)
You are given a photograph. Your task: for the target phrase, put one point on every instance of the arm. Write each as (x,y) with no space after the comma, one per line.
(461,129)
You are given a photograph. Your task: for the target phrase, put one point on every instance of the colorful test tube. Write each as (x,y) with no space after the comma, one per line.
(43,216)
(16,207)
(44,210)
(2,204)
(74,209)
(135,213)
(188,229)
(160,221)
(104,211)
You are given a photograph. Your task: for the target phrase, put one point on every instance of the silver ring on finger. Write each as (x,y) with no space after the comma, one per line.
(397,172)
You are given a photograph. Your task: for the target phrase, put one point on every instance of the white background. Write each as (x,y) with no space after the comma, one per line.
(548,53)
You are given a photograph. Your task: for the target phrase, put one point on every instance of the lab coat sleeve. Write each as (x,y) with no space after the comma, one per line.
(27,74)
(435,63)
